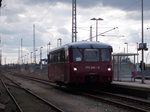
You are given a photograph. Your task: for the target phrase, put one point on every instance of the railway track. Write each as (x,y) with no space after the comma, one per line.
(134,104)
(129,103)
(28,101)
(7,100)
(142,102)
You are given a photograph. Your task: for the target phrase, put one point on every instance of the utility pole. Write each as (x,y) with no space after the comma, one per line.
(59,42)
(21,53)
(0,57)
(35,57)
(0,52)
(142,62)
(74,23)
(18,56)
(127,46)
(27,58)
(97,26)
(41,58)
(90,33)
(31,57)
(34,54)
(142,46)
(5,60)
(137,53)
(48,48)
(0,37)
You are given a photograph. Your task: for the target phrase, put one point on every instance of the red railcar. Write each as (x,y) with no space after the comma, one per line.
(81,62)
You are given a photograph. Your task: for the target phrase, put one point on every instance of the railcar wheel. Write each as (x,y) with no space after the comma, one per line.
(59,83)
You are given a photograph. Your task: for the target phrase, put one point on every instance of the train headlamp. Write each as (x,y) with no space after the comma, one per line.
(75,69)
(109,69)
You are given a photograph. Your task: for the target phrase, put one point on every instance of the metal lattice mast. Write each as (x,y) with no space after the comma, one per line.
(74,24)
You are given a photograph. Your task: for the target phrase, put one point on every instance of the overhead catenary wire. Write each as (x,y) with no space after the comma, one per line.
(103,33)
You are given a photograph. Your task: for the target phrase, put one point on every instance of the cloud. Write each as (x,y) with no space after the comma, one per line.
(53,20)
(63,31)
(121,4)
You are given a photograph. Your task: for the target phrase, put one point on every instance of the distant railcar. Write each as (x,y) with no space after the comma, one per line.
(81,62)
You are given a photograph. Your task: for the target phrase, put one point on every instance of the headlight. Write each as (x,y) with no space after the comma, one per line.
(75,69)
(109,69)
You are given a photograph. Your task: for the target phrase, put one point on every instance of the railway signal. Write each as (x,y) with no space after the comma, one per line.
(143,46)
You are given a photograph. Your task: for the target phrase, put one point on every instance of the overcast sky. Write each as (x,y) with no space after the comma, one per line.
(53,20)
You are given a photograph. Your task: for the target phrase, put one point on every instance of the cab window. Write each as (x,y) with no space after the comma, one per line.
(77,55)
(105,55)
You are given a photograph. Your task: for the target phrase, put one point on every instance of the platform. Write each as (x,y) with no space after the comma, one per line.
(137,85)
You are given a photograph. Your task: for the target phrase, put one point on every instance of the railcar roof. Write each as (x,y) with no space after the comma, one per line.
(88,44)
(84,44)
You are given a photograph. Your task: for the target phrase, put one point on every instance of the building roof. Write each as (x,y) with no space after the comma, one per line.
(124,54)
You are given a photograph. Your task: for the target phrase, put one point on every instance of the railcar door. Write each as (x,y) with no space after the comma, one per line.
(66,65)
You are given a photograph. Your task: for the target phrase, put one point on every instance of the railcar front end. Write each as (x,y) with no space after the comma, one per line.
(91,65)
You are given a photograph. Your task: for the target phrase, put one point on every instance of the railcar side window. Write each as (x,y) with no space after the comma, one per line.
(51,58)
(105,55)
(91,55)
(77,55)
(62,56)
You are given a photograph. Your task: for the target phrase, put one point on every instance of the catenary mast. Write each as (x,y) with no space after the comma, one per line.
(74,23)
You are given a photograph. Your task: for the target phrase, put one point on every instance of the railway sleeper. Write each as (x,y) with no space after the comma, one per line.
(2,106)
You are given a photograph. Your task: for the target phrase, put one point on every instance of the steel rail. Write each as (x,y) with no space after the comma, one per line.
(128,98)
(114,102)
(12,97)
(47,102)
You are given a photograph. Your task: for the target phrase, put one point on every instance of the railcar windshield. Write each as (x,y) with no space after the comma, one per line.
(91,55)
